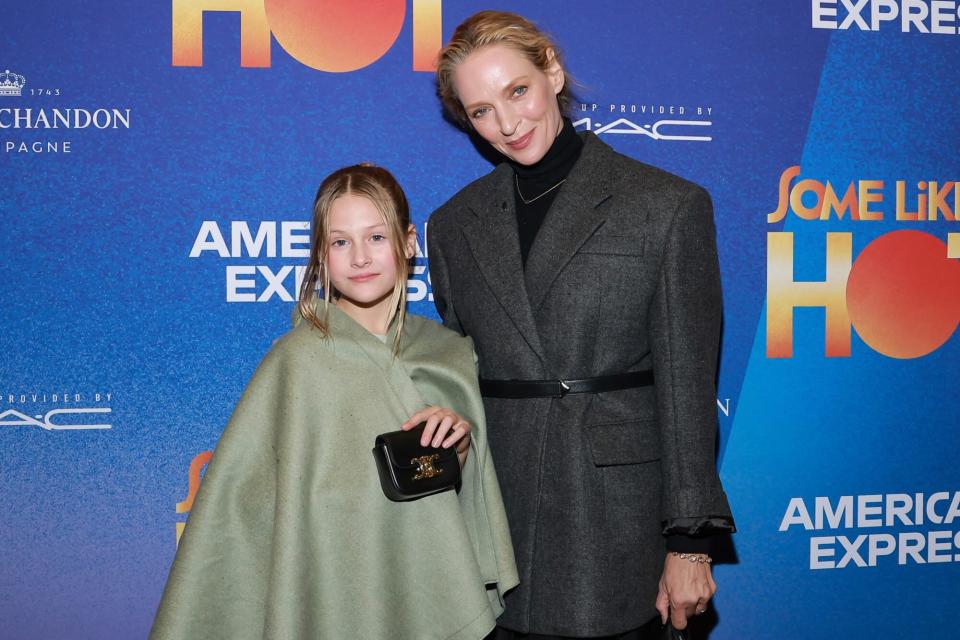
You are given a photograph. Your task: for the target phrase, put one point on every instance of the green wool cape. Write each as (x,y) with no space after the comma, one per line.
(291,536)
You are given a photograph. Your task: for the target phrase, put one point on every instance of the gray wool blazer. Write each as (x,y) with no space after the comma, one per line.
(622,276)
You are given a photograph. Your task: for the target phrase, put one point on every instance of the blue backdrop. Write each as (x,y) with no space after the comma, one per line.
(157,182)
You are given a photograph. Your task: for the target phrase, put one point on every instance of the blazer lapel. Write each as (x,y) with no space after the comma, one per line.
(574,216)
(495,244)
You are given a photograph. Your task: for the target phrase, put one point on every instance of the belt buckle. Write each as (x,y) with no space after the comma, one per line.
(564,388)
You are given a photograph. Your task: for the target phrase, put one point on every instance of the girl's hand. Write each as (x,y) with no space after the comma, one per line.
(443,428)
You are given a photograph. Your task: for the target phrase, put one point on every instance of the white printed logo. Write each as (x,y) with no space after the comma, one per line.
(49,422)
(674,130)
(11,84)
(918,16)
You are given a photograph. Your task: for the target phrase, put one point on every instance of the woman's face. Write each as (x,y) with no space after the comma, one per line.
(510,102)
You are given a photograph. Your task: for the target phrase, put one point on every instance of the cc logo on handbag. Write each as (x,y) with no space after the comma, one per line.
(425,468)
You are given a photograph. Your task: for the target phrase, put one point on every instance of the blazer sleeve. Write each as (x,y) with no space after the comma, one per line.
(440,275)
(684,328)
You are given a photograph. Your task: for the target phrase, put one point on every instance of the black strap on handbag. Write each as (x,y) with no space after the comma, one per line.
(560,388)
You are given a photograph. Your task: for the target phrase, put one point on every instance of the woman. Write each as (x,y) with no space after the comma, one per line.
(590,286)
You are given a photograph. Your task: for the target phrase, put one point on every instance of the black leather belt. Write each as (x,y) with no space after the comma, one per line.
(560,388)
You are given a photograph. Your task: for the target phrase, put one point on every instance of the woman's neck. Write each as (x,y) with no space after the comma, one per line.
(556,163)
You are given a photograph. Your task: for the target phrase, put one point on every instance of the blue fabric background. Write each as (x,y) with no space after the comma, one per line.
(100,294)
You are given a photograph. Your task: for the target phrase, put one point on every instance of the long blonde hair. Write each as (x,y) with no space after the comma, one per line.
(380,187)
(487,28)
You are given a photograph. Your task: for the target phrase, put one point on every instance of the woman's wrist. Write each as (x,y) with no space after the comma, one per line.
(697,558)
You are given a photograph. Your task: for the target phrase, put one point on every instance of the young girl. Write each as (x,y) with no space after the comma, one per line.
(291,535)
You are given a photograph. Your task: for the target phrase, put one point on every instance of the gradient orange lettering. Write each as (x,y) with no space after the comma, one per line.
(831,203)
(193,484)
(188,31)
(427,34)
(938,202)
(902,213)
(784,294)
(328,35)
(868,194)
(796,199)
(856,199)
(783,201)
(901,295)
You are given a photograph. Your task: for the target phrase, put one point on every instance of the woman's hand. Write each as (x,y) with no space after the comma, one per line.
(685,589)
(443,428)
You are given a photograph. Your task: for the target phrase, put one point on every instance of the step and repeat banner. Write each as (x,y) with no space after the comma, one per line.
(159,162)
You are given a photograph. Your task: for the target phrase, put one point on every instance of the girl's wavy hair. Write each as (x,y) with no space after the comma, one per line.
(497,27)
(380,187)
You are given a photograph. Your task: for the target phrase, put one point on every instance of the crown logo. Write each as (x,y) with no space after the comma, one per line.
(11,83)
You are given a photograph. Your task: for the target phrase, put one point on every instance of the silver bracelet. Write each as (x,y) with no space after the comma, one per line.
(701,558)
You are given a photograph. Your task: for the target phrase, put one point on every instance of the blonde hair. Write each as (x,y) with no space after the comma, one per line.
(497,27)
(380,187)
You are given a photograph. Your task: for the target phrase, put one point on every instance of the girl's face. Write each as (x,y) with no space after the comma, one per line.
(360,260)
(510,102)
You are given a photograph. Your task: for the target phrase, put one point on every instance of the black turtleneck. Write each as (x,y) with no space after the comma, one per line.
(536,179)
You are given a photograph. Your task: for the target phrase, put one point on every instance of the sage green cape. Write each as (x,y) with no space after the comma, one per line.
(291,536)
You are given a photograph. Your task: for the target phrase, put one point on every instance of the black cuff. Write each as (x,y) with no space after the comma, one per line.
(685,544)
(700,526)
